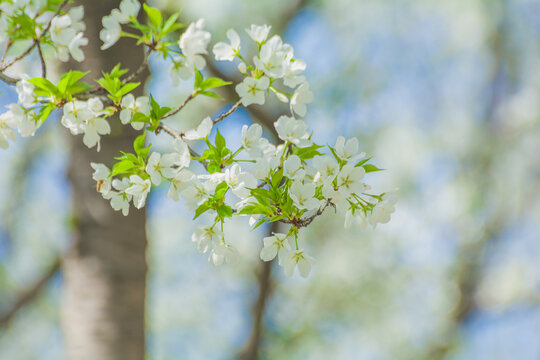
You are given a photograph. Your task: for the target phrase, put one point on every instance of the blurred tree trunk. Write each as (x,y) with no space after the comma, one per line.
(105,272)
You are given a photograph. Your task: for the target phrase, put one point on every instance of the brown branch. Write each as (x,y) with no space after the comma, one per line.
(250,350)
(8,79)
(31,293)
(303,222)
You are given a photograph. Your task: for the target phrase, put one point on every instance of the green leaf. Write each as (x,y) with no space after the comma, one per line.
(45,85)
(224,211)
(198,80)
(276,178)
(138,146)
(170,25)
(69,79)
(362,162)
(371,168)
(45,112)
(202,209)
(157,112)
(251,209)
(154,15)
(122,167)
(259,223)
(213,168)
(211,94)
(140,117)
(212,82)
(221,190)
(128,88)
(307,152)
(220,141)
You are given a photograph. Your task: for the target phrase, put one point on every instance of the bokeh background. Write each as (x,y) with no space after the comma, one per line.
(444,94)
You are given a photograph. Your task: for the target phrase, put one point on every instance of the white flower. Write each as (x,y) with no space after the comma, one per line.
(278,244)
(292,168)
(193,44)
(252,90)
(180,182)
(159,166)
(300,98)
(273,57)
(95,127)
(262,167)
(303,195)
(197,192)
(181,69)
(326,166)
(194,40)
(251,140)
(130,106)
(182,155)
(292,69)
(223,252)
(292,130)
(240,181)
(202,131)
(119,199)
(348,180)
(382,211)
(6,133)
(75,44)
(76,15)
(302,260)
(128,9)
(346,150)
(102,176)
(139,189)
(110,32)
(228,52)
(259,33)
(25,92)
(204,235)
(61,31)
(76,115)
(26,123)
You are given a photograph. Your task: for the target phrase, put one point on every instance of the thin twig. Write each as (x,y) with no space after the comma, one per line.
(31,293)
(228,112)
(43,65)
(175,111)
(8,46)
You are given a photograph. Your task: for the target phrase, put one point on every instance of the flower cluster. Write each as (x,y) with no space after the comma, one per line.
(112,29)
(275,61)
(65,33)
(291,182)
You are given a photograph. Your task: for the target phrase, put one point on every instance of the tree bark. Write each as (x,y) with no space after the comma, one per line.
(105,271)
